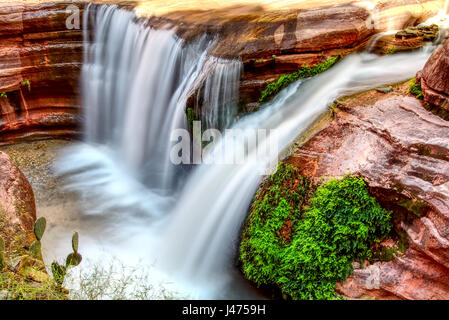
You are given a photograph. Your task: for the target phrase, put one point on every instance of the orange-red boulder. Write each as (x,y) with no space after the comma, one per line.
(17,205)
(402,151)
(434,78)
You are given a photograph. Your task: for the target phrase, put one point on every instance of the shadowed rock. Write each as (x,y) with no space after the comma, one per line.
(434,79)
(402,152)
(40,62)
(17,206)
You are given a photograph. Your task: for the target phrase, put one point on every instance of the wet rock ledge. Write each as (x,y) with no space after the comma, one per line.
(401,151)
(40,59)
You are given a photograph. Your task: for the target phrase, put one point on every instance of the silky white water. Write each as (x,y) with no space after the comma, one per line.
(140,207)
(135,85)
(202,235)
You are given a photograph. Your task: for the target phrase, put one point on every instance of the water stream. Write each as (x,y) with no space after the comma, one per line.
(185,221)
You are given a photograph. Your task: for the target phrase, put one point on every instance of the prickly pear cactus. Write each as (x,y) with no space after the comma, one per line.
(36,250)
(75,239)
(59,272)
(2,254)
(73,259)
(39,228)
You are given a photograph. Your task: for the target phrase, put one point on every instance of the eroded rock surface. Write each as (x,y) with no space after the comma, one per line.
(40,58)
(17,206)
(274,40)
(434,78)
(402,152)
(40,61)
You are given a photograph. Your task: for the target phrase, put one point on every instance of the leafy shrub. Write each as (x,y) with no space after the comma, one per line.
(280,206)
(305,72)
(338,227)
(415,89)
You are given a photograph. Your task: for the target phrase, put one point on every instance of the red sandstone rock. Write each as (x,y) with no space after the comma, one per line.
(274,42)
(434,78)
(17,206)
(37,48)
(402,152)
(35,45)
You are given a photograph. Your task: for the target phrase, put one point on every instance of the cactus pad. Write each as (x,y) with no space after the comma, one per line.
(73,260)
(39,227)
(58,272)
(35,250)
(75,240)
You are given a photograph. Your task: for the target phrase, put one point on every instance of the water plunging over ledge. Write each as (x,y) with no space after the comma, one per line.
(136,82)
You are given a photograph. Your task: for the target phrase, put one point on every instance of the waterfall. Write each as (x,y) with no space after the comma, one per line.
(136,82)
(201,240)
(219,100)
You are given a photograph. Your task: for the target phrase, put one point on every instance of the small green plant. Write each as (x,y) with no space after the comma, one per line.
(415,89)
(59,271)
(191,116)
(73,259)
(27,83)
(2,254)
(305,72)
(18,288)
(113,279)
(392,51)
(36,246)
(333,109)
(3,95)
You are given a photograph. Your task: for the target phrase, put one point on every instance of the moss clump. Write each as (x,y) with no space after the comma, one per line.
(305,72)
(392,51)
(276,211)
(191,116)
(414,206)
(335,228)
(415,89)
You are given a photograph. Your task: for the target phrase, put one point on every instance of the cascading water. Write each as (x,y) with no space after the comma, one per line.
(219,101)
(201,239)
(136,82)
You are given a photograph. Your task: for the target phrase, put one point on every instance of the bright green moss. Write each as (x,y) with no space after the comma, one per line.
(191,116)
(336,227)
(415,89)
(305,72)
(279,204)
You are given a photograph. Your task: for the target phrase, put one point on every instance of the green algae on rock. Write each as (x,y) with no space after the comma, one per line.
(305,72)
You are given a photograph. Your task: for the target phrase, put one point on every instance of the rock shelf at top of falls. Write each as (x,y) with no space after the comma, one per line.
(41,58)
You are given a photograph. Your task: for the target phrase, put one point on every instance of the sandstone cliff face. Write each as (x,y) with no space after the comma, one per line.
(402,152)
(434,79)
(40,59)
(271,42)
(40,62)
(17,206)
